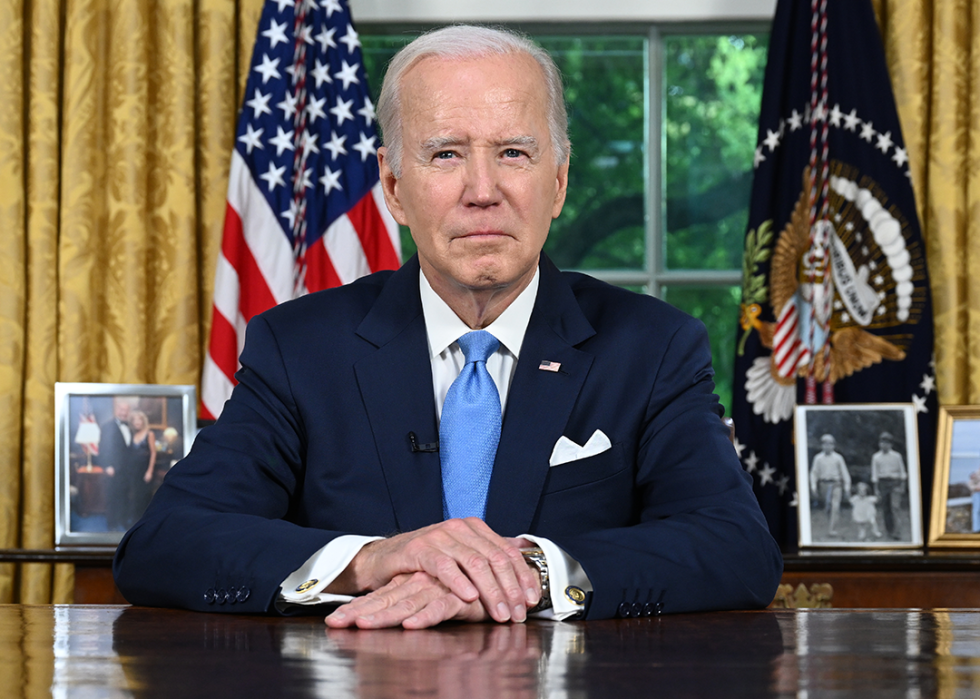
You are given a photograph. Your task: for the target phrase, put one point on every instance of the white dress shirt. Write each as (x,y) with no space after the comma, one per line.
(443,328)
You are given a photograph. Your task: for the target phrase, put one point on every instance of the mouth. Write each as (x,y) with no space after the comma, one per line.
(481,236)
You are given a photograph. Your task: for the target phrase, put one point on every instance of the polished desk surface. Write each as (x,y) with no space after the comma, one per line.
(118,651)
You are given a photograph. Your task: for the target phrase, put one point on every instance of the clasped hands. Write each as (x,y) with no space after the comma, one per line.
(458,569)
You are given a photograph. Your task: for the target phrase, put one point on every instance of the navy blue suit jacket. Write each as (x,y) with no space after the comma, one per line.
(314,443)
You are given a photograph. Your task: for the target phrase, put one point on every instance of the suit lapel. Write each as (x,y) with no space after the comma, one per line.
(539,403)
(396,386)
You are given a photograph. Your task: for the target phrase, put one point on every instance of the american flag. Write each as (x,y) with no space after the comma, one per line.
(305,210)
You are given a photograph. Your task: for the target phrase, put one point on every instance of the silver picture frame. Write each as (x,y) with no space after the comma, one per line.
(105,474)
(857,474)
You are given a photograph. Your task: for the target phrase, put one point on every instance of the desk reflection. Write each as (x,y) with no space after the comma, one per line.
(481,661)
(89,651)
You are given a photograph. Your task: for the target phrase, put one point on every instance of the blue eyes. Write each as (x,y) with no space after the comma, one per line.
(507,153)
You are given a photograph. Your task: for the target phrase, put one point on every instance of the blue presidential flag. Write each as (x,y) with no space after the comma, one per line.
(835,299)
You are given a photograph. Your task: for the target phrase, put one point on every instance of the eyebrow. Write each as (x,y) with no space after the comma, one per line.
(432,145)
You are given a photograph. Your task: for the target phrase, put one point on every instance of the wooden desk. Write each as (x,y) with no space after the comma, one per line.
(93,569)
(895,579)
(138,652)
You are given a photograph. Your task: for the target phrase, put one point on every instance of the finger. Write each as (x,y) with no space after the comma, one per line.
(421,550)
(347,614)
(443,608)
(493,565)
(403,597)
(455,553)
(422,604)
(467,556)
(517,580)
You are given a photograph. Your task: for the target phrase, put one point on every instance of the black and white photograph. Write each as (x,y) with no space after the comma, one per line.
(115,444)
(858,476)
(956,491)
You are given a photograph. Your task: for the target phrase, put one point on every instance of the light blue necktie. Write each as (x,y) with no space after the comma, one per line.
(469,430)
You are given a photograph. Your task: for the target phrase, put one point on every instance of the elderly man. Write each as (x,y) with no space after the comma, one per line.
(476,436)
(116,458)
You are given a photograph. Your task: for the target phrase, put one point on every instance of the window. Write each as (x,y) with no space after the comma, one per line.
(663,126)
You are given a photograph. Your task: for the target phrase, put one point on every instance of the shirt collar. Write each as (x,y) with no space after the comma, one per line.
(443,327)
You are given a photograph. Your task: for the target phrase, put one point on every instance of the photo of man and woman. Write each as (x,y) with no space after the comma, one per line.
(116,450)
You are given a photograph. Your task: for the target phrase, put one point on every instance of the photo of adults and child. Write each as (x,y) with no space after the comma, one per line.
(858,474)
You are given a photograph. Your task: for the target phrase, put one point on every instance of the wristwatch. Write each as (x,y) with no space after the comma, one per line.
(536,559)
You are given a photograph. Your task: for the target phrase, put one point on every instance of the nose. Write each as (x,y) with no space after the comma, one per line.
(481,183)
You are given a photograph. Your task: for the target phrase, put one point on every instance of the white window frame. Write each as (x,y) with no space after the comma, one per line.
(444,11)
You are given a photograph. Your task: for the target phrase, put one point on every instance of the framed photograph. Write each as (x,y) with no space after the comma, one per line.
(114,443)
(956,488)
(857,475)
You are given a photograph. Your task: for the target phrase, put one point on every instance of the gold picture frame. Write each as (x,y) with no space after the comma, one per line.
(955,504)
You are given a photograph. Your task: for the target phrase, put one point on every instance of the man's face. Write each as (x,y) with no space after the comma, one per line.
(480,184)
(120,409)
(828,445)
(885,445)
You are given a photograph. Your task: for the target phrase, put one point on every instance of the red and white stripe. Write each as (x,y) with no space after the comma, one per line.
(789,352)
(256,269)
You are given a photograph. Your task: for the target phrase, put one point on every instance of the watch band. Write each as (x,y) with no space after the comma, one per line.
(536,559)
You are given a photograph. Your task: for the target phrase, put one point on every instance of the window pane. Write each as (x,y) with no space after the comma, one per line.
(377,50)
(717,308)
(713,87)
(602,224)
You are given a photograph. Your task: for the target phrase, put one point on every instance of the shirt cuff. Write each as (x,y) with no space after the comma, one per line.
(568,582)
(306,584)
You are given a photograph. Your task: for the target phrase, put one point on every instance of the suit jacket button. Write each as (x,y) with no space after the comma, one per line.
(232,595)
(624,609)
(648,609)
(221,596)
(209,596)
(243,593)
(636,609)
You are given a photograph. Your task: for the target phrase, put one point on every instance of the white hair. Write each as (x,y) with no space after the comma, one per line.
(460,42)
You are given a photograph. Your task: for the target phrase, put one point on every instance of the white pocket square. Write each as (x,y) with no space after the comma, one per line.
(566,450)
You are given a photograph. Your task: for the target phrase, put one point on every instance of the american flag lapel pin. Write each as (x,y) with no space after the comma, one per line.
(546,365)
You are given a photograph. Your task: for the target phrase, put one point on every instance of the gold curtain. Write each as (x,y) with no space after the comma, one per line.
(933,53)
(117,120)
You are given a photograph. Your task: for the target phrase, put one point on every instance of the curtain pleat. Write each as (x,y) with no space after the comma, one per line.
(13,278)
(933,54)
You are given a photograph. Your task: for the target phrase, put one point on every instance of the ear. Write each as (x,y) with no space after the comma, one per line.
(389,186)
(561,190)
